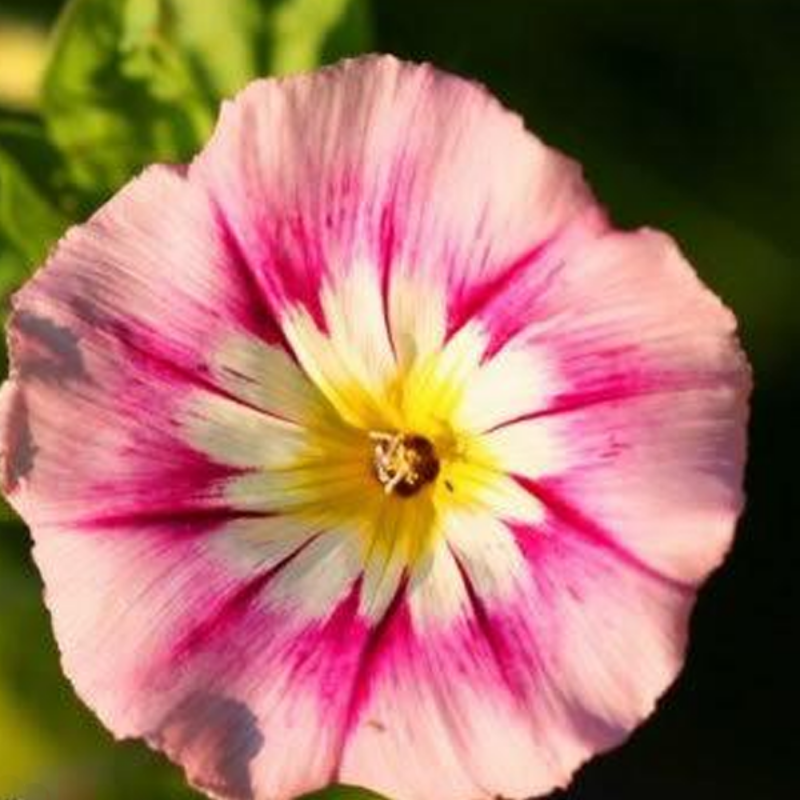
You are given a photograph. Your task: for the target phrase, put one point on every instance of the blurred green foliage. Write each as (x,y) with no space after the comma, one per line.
(131,82)
(30,222)
(685,114)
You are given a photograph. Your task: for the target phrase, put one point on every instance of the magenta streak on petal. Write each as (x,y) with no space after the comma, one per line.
(342,631)
(272,332)
(181,521)
(269,297)
(388,234)
(279,273)
(491,632)
(378,642)
(505,304)
(221,620)
(161,365)
(549,492)
(296,283)
(387,245)
(528,640)
(162,472)
(320,655)
(478,297)
(624,387)
(518,654)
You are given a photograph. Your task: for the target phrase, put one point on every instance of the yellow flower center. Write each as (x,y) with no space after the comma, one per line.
(388,449)
(389,484)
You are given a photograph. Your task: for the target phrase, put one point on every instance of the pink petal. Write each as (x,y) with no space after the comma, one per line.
(136,309)
(509,695)
(431,713)
(624,315)
(646,420)
(421,176)
(140,326)
(89,434)
(240,682)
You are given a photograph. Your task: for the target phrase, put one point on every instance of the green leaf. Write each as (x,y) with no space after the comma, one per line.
(341,792)
(306,33)
(30,222)
(26,141)
(108,101)
(132,82)
(7,514)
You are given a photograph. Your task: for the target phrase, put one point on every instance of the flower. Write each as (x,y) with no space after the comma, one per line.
(363,449)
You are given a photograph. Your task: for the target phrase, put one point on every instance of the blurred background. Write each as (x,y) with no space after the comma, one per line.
(686,116)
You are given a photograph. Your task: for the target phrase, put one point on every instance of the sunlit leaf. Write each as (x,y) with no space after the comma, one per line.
(131,82)
(344,793)
(303,34)
(30,222)
(99,102)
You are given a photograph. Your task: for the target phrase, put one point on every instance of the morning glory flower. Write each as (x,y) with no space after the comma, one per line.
(364,449)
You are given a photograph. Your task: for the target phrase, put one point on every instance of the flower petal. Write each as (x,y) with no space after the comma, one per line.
(432,715)
(668,494)
(420,176)
(505,668)
(231,433)
(240,675)
(266,377)
(642,437)
(107,339)
(651,328)
(154,270)
(506,386)
(90,434)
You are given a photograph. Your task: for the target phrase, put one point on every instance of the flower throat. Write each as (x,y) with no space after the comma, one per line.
(403,463)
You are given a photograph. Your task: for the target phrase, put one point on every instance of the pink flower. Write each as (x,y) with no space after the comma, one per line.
(364,450)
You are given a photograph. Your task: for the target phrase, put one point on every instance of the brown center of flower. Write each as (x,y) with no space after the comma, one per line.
(403,462)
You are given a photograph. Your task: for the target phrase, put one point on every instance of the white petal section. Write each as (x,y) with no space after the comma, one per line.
(488,554)
(418,316)
(435,385)
(356,319)
(326,492)
(337,372)
(436,592)
(318,576)
(236,435)
(471,487)
(264,376)
(527,448)
(257,545)
(511,384)
(382,579)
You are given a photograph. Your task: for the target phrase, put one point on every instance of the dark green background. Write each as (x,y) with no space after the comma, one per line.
(686,115)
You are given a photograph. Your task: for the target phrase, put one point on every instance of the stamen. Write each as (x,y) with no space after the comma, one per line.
(403,463)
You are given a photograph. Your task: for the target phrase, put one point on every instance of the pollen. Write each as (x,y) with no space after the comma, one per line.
(403,463)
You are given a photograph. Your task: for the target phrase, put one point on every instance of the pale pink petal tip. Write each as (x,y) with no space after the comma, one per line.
(363,449)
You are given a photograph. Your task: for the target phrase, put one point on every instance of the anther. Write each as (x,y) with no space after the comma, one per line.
(403,463)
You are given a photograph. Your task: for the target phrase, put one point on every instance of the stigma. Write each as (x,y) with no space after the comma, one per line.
(403,463)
